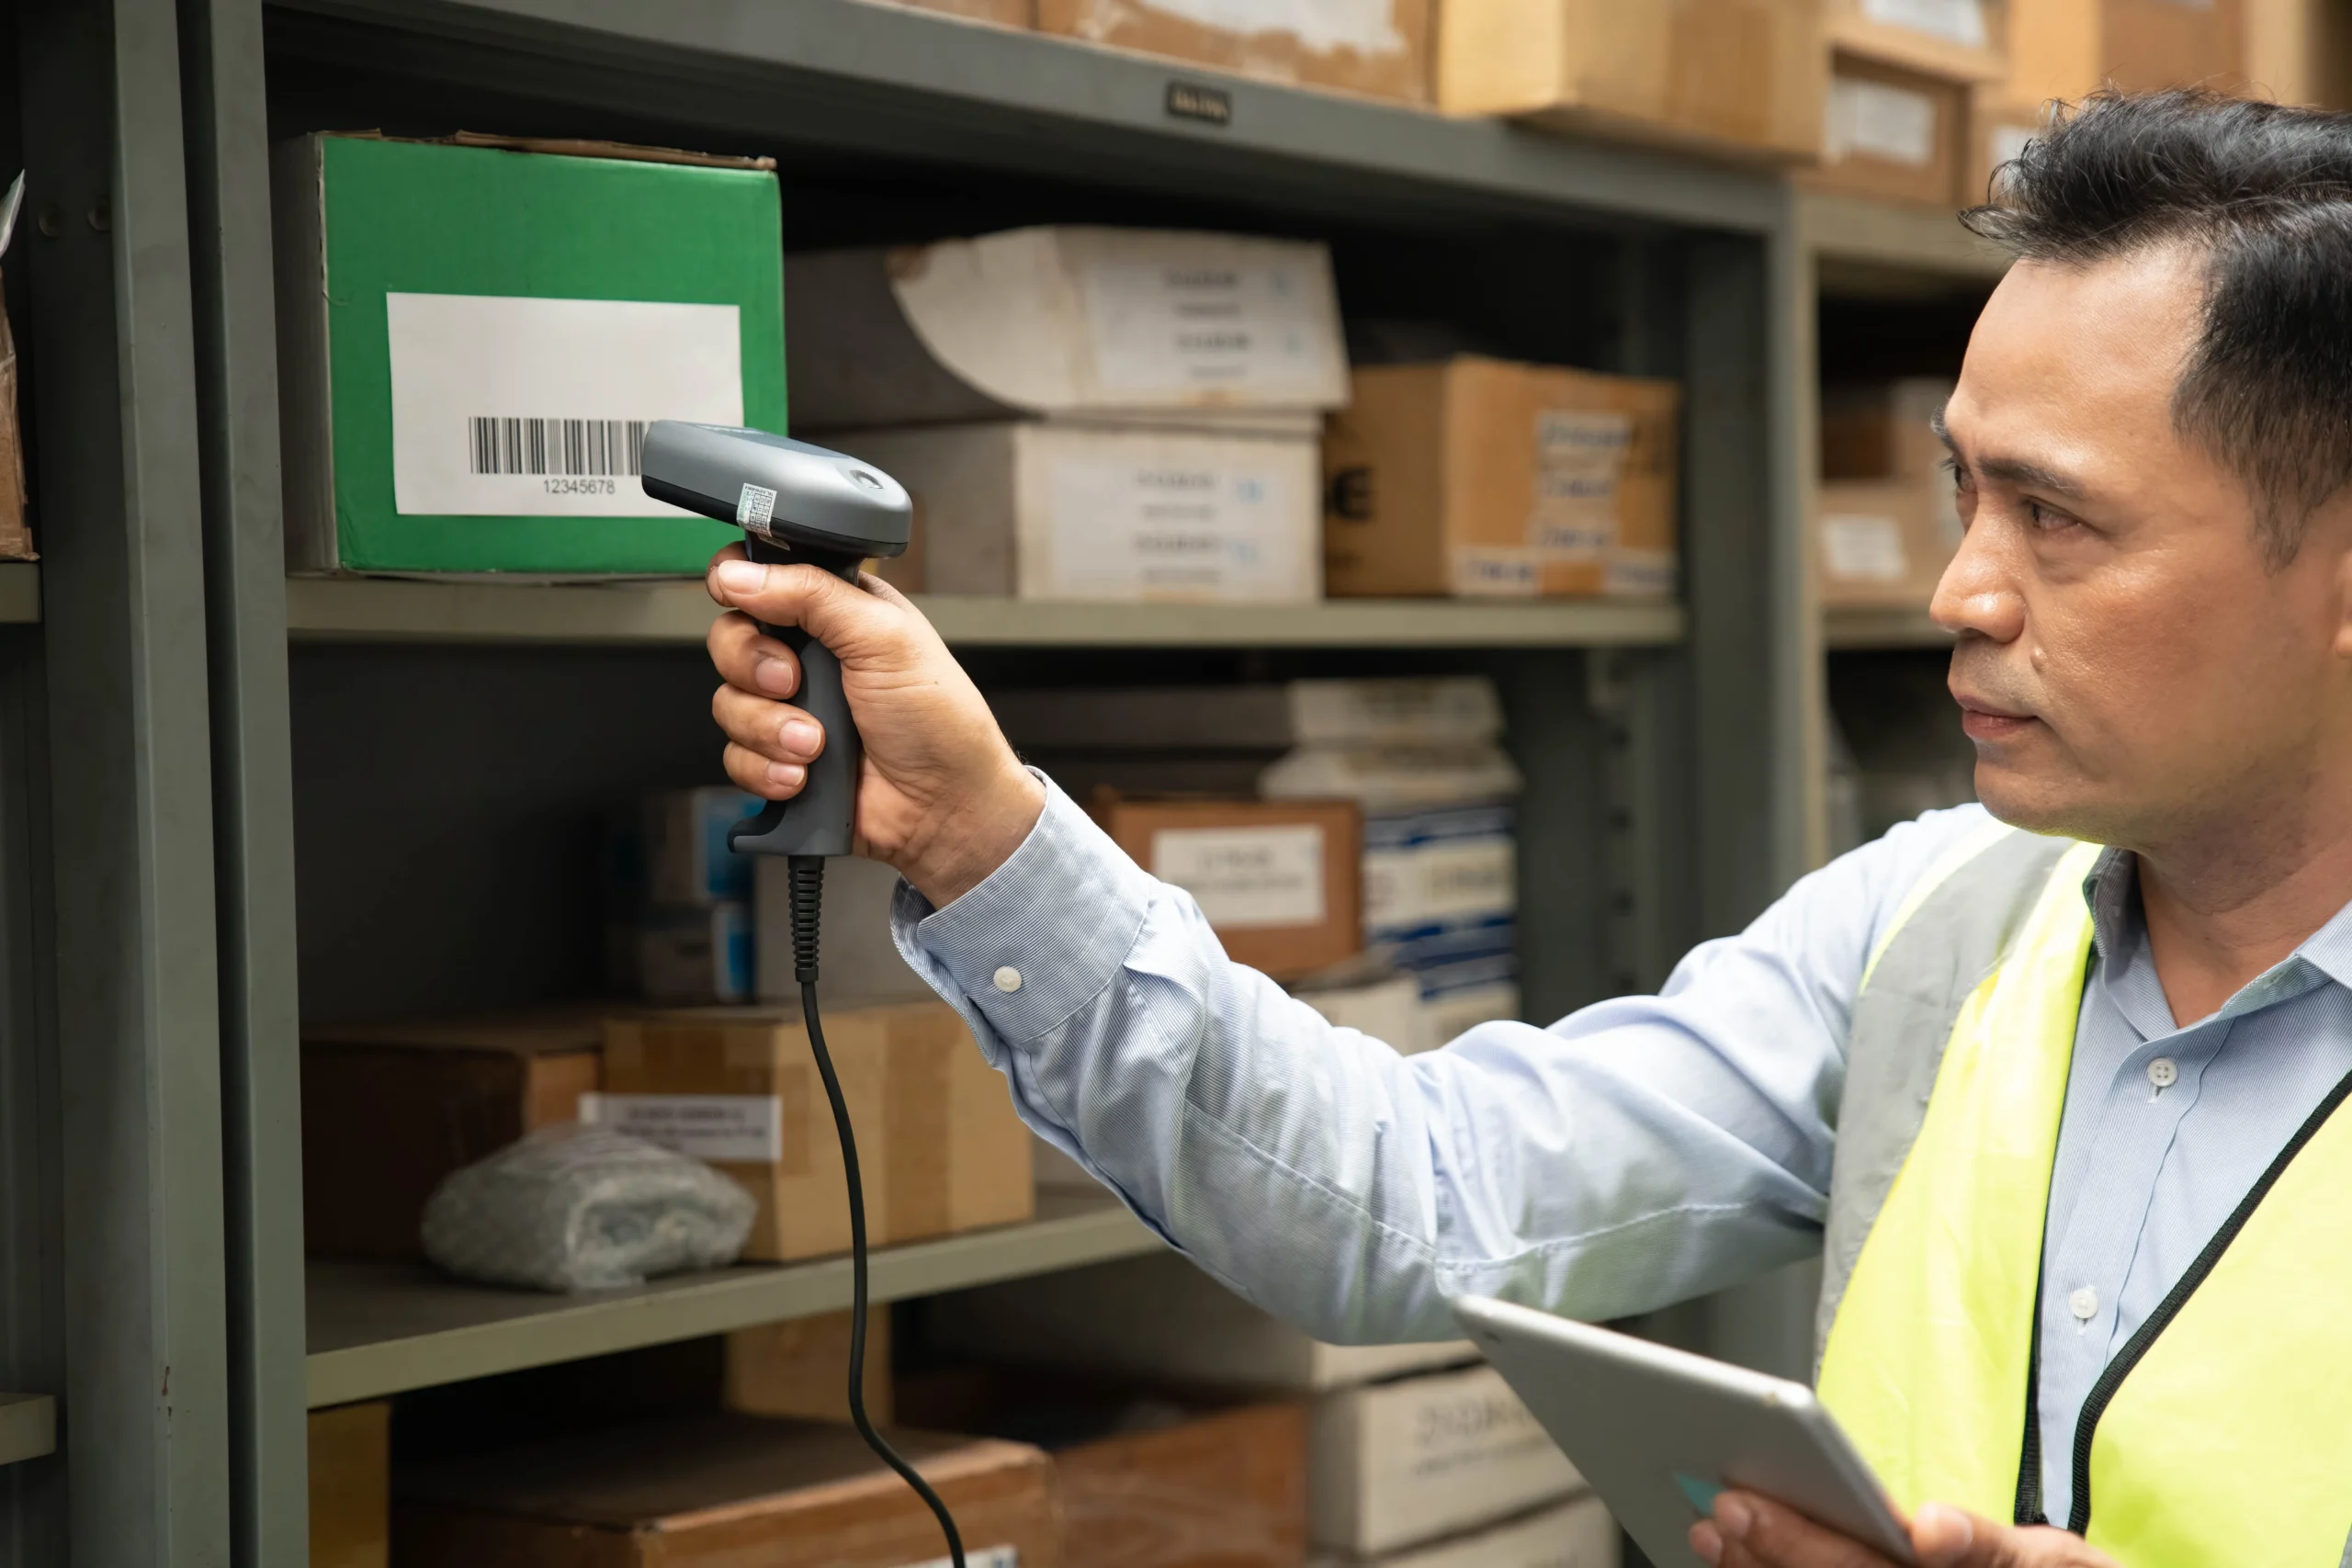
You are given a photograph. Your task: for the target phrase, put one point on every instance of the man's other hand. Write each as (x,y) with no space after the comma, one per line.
(1748,1531)
(942,798)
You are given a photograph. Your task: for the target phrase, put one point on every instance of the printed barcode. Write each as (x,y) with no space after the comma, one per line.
(561,446)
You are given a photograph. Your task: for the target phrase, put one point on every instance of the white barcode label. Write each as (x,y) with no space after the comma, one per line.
(574,447)
(506,406)
(739,1129)
(1245,878)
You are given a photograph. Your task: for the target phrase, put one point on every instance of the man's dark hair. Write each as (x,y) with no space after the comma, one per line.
(2266,191)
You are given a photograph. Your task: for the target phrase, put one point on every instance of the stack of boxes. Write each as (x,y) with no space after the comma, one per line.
(1888,518)
(1901,76)
(1083,413)
(679,920)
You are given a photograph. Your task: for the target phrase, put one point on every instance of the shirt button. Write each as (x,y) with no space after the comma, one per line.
(2083,1303)
(1007,979)
(2164,1072)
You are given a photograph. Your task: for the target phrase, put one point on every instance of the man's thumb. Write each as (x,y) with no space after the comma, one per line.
(1944,1538)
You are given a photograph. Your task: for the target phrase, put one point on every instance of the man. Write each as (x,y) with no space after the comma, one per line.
(2062,1119)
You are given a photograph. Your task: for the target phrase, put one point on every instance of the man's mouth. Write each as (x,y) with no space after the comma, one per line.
(1983,720)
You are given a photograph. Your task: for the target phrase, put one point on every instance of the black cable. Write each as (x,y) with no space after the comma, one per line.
(808,874)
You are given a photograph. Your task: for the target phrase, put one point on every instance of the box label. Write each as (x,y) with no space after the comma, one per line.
(1580,454)
(2009,143)
(1177,330)
(1874,120)
(1638,575)
(724,1129)
(1954,21)
(1365,27)
(1861,548)
(508,406)
(1245,878)
(1440,883)
(1500,571)
(1206,530)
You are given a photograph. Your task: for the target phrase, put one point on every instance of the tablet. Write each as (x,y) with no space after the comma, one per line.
(1658,1432)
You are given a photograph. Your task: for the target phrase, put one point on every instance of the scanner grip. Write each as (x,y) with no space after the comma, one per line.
(822,819)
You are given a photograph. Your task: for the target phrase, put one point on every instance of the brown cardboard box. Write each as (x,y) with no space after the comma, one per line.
(802,1367)
(1998,128)
(1576,1534)
(1486,478)
(1742,76)
(1376,47)
(1882,544)
(351,1480)
(1962,39)
(1884,430)
(938,1144)
(1894,132)
(1150,1477)
(1280,880)
(389,1109)
(727,1491)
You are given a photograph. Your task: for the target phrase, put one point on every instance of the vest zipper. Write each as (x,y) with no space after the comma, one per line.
(2028,1506)
(2110,1380)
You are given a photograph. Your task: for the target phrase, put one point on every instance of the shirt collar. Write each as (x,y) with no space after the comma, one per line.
(2117,933)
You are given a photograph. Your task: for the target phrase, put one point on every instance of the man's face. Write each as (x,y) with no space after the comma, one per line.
(2129,666)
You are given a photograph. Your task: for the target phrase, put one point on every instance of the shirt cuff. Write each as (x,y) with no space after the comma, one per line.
(1044,934)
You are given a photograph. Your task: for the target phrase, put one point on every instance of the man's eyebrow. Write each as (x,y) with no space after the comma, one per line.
(2015,470)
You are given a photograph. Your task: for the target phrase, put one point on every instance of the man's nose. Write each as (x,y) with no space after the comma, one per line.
(1978,591)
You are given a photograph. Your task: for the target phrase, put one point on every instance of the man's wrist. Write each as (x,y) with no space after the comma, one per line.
(964,847)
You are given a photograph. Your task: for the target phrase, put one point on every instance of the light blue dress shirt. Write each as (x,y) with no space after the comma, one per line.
(1637,1153)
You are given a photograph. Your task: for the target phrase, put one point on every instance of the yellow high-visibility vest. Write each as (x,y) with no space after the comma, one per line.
(2222,1433)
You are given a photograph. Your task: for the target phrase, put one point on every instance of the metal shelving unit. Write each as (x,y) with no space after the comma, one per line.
(364,610)
(377,1329)
(163,686)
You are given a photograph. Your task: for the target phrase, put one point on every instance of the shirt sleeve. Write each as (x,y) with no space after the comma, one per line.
(1639,1151)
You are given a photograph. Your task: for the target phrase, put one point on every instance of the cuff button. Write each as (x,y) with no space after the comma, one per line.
(1007,979)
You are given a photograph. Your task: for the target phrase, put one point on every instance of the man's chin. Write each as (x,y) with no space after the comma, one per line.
(2036,804)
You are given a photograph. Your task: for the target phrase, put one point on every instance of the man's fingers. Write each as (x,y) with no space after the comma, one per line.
(1783,1538)
(775,730)
(750,660)
(756,774)
(845,618)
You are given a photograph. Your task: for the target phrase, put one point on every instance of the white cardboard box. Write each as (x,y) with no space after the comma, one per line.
(1044,510)
(1578,1534)
(1393,1464)
(1161,1317)
(1222,329)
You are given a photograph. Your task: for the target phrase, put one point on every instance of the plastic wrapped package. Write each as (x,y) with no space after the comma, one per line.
(582,1208)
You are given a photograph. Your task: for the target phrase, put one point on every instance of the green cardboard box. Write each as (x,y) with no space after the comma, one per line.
(473,337)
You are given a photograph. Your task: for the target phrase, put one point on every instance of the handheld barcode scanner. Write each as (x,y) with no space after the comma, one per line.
(794,503)
(798,503)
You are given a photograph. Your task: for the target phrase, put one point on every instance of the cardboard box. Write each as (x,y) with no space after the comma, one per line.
(687,860)
(1739,76)
(2066,48)
(1998,128)
(351,1486)
(1883,543)
(1067,321)
(1375,47)
(1884,430)
(1892,134)
(1004,13)
(1578,1534)
(1479,477)
(938,1142)
(388,1109)
(1150,1477)
(1964,41)
(801,1368)
(1394,1464)
(16,534)
(859,957)
(689,954)
(473,338)
(1044,511)
(720,1490)
(1279,882)
(1160,1317)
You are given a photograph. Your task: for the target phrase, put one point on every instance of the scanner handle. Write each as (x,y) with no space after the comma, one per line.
(822,819)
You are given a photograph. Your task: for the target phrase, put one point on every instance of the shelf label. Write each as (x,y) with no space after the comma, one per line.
(1893,124)
(1245,878)
(722,1129)
(1861,548)
(509,406)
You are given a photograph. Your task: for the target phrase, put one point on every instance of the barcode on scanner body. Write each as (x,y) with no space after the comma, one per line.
(558,446)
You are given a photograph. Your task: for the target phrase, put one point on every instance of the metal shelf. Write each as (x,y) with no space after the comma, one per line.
(1859,629)
(884,80)
(377,1329)
(27,1426)
(19,594)
(384,610)
(1891,237)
